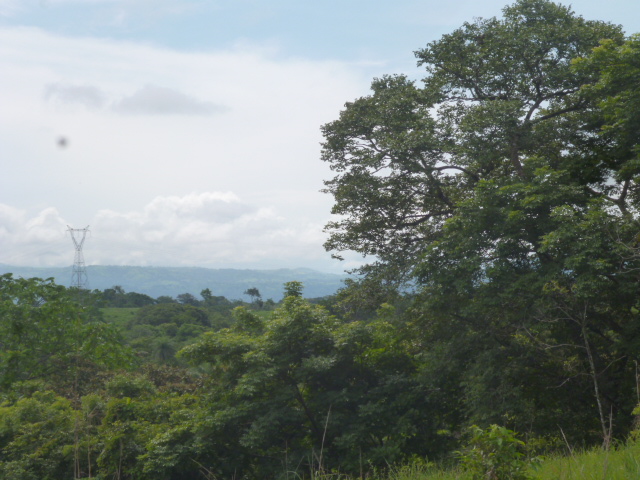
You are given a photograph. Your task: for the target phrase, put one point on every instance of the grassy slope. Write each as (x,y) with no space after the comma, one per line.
(119,316)
(621,463)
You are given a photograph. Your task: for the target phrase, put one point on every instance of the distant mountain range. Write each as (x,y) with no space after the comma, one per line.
(172,281)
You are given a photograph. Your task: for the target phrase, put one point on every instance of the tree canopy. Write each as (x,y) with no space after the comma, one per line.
(499,203)
(46,336)
(500,105)
(504,189)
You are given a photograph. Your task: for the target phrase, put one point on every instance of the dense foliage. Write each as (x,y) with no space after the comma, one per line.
(499,201)
(505,190)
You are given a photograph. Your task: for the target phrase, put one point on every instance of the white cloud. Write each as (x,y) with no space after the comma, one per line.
(205,229)
(264,148)
(209,229)
(32,240)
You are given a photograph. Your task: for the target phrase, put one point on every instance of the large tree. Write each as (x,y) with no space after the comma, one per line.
(506,187)
(500,100)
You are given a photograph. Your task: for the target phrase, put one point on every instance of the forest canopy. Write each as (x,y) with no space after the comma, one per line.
(497,200)
(503,188)
(503,106)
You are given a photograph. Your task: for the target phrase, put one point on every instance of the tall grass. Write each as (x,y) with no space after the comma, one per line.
(422,472)
(618,463)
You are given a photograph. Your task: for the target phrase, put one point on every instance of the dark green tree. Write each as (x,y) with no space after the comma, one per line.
(157,332)
(256,296)
(188,299)
(617,70)
(499,101)
(116,297)
(505,189)
(165,299)
(293,289)
(254,293)
(309,391)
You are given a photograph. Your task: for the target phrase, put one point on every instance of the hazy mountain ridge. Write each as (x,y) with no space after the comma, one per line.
(172,281)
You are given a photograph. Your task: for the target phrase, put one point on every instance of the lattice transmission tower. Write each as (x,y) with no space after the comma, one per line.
(79,277)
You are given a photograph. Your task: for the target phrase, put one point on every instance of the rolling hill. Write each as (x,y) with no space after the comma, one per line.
(172,281)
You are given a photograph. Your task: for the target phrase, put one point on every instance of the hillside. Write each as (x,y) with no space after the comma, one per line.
(172,281)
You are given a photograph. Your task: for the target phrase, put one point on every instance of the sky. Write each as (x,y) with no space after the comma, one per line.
(187,132)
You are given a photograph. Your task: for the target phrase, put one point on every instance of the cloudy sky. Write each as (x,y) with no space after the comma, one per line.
(187,133)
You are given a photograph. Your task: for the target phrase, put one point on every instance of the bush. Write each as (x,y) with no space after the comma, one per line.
(495,454)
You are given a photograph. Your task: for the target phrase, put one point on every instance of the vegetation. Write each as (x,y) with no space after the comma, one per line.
(499,201)
(504,189)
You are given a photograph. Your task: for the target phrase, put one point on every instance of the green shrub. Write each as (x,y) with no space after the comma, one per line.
(494,454)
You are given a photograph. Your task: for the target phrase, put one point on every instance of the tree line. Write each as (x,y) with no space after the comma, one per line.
(117,297)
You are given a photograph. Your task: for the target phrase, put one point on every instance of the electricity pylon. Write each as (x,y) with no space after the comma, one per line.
(79,277)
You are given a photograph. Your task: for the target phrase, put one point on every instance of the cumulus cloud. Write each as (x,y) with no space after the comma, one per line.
(37,239)
(209,229)
(155,100)
(206,229)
